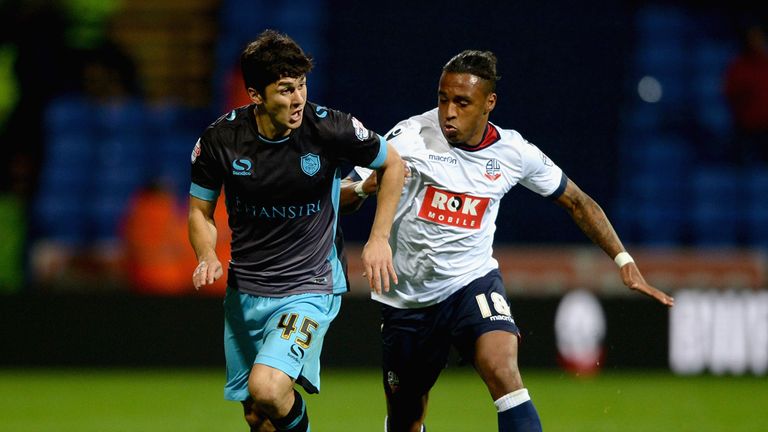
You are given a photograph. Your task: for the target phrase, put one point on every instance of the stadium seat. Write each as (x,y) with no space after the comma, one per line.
(172,137)
(717,210)
(710,59)
(658,226)
(756,214)
(643,118)
(64,179)
(61,218)
(658,188)
(68,113)
(660,23)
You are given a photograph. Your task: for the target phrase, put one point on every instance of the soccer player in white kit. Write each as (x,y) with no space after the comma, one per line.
(450,292)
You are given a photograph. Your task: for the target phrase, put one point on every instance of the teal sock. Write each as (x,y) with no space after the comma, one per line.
(297,419)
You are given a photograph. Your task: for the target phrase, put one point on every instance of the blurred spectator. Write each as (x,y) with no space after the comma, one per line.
(746,88)
(158,259)
(108,74)
(154,236)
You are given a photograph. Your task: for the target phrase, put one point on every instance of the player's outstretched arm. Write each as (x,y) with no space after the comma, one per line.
(377,254)
(591,219)
(202,236)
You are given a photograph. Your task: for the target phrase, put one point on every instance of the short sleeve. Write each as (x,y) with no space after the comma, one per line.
(404,137)
(353,142)
(207,175)
(540,174)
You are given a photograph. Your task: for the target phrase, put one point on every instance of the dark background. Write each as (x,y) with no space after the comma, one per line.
(562,70)
(118,331)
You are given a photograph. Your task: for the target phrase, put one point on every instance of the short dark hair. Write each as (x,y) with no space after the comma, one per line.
(479,63)
(273,55)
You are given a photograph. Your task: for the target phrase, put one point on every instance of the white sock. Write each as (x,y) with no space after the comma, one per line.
(511,400)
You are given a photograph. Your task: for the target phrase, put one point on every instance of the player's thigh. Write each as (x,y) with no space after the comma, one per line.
(481,308)
(294,335)
(284,333)
(414,352)
(243,337)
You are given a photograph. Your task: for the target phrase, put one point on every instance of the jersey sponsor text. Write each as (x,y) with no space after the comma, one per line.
(448,208)
(240,207)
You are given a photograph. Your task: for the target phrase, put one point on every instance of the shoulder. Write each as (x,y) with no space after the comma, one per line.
(234,118)
(413,128)
(511,142)
(510,137)
(527,153)
(329,122)
(227,126)
(516,150)
(324,117)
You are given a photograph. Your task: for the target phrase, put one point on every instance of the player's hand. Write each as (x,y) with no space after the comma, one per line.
(377,264)
(634,280)
(207,272)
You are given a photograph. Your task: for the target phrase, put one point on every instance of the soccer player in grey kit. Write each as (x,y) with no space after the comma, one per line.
(279,160)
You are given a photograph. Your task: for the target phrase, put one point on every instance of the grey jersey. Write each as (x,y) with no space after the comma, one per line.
(282,196)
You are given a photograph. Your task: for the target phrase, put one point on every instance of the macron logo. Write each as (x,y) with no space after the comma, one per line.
(448,208)
(441,158)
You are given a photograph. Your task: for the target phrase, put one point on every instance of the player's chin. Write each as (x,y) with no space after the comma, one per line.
(454,138)
(452,135)
(295,120)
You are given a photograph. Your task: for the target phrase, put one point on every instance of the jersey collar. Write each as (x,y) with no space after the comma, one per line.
(269,141)
(255,126)
(490,136)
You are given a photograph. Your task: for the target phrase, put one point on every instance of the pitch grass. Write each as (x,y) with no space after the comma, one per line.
(352,400)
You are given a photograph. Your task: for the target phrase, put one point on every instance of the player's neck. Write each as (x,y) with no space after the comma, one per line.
(267,128)
(479,138)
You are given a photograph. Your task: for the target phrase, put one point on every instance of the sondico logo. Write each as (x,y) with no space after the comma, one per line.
(242,167)
(448,208)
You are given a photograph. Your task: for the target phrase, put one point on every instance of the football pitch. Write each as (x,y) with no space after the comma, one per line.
(104,400)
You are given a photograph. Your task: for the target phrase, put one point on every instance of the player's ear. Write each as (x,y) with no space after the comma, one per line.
(255,96)
(490,103)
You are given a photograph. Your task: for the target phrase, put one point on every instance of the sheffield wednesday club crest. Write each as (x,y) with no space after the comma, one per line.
(310,164)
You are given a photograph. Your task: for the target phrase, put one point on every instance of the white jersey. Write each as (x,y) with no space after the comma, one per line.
(442,235)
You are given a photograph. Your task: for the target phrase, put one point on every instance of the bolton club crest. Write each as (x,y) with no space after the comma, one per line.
(310,164)
(492,169)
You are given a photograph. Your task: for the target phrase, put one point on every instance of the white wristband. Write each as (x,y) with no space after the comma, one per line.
(622,259)
(359,190)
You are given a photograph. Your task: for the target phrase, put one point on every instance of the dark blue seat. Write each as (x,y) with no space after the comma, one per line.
(718,203)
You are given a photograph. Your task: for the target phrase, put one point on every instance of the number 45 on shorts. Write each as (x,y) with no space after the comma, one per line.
(288,324)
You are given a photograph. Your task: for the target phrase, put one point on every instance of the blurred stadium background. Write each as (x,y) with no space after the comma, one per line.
(101,102)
